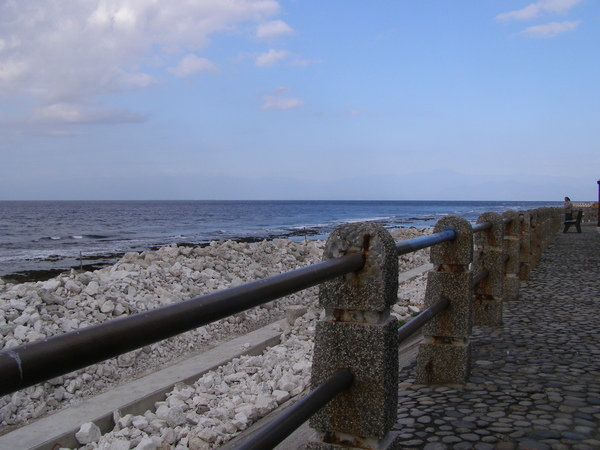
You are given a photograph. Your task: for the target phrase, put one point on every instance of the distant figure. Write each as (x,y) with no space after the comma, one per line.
(568,207)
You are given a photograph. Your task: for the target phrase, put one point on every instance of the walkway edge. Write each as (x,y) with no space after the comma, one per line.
(135,397)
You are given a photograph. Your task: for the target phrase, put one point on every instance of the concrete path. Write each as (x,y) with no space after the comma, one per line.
(58,430)
(535,381)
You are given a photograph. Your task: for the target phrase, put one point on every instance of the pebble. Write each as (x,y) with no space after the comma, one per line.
(535,380)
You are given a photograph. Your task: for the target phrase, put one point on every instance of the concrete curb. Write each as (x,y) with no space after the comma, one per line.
(140,395)
(135,397)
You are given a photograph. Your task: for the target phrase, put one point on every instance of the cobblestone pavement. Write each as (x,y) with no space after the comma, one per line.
(535,381)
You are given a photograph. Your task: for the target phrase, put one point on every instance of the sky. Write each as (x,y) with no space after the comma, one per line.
(299,99)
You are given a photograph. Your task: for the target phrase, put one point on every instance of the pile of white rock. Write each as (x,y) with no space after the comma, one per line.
(220,404)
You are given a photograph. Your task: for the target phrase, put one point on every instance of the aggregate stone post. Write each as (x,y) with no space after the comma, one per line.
(445,354)
(525,254)
(535,249)
(546,229)
(359,334)
(512,248)
(557,220)
(489,255)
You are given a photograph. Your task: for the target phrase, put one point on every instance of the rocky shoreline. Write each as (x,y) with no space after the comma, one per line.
(54,266)
(222,403)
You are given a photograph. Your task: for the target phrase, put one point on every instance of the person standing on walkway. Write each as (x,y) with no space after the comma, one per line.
(568,207)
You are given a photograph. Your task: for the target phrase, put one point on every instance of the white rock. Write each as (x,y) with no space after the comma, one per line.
(281,396)
(195,443)
(19,305)
(52,284)
(248,410)
(118,444)
(147,443)
(163,411)
(175,417)
(208,435)
(20,332)
(72,286)
(168,436)
(107,307)
(240,421)
(127,359)
(92,288)
(264,405)
(293,312)
(285,384)
(139,422)
(88,433)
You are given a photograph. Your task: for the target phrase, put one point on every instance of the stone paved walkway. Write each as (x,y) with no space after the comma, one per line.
(535,381)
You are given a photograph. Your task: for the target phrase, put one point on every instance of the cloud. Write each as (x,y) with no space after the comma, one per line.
(551,29)
(191,65)
(536,9)
(273,29)
(57,52)
(278,101)
(270,58)
(74,113)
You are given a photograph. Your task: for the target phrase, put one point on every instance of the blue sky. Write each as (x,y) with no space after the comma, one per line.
(265,99)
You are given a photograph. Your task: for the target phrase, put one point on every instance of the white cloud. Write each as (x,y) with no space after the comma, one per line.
(191,65)
(74,113)
(536,9)
(278,101)
(273,29)
(270,58)
(550,29)
(58,52)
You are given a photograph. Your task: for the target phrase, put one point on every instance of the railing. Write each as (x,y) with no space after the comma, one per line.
(355,363)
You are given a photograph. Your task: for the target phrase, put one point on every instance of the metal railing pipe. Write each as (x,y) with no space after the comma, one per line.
(479,277)
(280,428)
(405,331)
(412,245)
(42,360)
(482,227)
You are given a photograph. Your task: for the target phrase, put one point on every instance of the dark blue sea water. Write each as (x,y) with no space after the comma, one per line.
(56,234)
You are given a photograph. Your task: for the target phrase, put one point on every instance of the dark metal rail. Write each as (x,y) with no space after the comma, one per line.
(412,245)
(482,227)
(405,331)
(276,431)
(35,362)
(478,278)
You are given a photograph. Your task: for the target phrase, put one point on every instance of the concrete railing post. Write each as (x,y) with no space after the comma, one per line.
(558,219)
(543,225)
(512,248)
(536,237)
(359,334)
(445,354)
(525,253)
(548,228)
(489,255)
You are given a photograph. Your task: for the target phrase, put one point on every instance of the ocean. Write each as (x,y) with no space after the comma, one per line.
(39,239)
